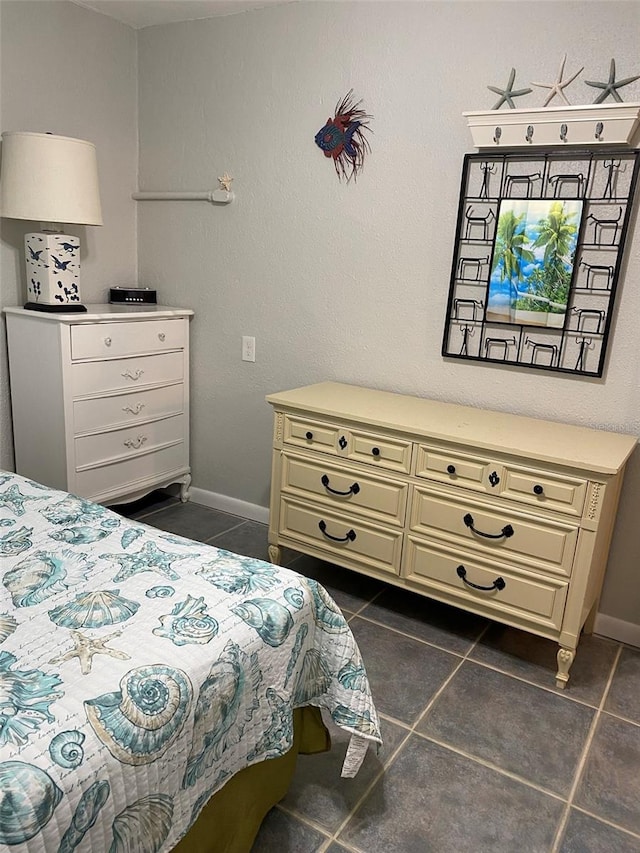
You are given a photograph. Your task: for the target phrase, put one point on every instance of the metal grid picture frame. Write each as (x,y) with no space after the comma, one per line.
(539,247)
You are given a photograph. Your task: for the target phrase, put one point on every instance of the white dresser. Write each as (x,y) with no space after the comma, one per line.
(506,516)
(100,400)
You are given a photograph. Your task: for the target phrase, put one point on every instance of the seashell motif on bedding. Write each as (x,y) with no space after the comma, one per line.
(301,635)
(188,622)
(354,677)
(139,722)
(243,575)
(295,597)
(326,612)
(143,826)
(149,558)
(16,541)
(81,535)
(66,749)
(14,500)
(362,723)
(130,536)
(85,815)
(110,522)
(94,610)
(271,620)
(28,798)
(278,736)
(160,592)
(232,683)
(71,510)
(45,573)
(7,522)
(8,625)
(314,678)
(25,698)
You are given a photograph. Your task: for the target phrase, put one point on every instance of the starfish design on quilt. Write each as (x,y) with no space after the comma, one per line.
(507,95)
(559,85)
(148,559)
(14,500)
(611,86)
(84,648)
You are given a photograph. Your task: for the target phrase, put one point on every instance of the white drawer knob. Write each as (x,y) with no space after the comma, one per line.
(134,376)
(135,443)
(161,335)
(107,342)
(134,410)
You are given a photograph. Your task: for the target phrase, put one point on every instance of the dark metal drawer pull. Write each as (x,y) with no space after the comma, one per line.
(538,490)
(352,490)
(375,451)
(506,531)
(309,436)
(350,537)
(498,583)
(451,469)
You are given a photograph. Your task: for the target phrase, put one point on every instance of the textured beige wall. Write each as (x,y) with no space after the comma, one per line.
(72,72)
(350,282)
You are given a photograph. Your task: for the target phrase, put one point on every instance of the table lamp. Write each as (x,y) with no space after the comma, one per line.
(50,179)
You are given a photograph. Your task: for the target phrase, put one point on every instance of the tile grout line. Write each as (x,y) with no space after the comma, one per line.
(583,758)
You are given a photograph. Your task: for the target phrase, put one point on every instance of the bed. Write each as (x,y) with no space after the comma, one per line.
(144,678)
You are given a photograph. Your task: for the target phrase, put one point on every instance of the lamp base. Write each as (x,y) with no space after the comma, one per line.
(71,308)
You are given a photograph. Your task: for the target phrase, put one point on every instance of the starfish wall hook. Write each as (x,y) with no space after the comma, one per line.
(559,85)
(507,95)
(611,87)
(225,182)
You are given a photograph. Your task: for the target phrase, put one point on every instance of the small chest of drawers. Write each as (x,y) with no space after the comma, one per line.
(506,516)
(100,400)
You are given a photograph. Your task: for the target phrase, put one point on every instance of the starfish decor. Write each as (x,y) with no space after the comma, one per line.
(225,182)
(611,87)
(507,95)
(559,85)
(85,648)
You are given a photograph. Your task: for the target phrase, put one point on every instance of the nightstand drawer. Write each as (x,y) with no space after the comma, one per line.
(502,531)
(454,468)
(383,451)
(312,435)
(351,488)
(110,340)
(549,491)
(103,412)
(130,441)
(93,377)
(350,537)
(455,577)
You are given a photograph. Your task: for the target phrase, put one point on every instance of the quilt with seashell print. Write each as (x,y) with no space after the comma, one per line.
(139,671)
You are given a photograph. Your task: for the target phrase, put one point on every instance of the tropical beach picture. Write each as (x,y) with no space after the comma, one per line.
(532,263)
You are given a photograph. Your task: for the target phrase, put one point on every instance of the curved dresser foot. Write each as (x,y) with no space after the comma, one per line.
(565,659)
(275,554)
(184,488)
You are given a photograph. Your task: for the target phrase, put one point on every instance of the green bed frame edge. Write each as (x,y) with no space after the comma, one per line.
(231,819)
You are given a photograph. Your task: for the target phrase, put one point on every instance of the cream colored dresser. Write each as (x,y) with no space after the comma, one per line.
(100,400)
(506,516)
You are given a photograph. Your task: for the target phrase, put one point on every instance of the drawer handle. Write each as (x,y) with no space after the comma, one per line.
(135,443)
(107,342)
(506,531)
(134,410)
(375,451)
(353,490)
(134,376)
(161,336)
(309,436)
(499,583)
(350,537)
(538,489)
(451,469)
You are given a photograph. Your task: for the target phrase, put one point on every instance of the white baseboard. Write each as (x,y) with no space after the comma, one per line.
(231,505)
(617,629)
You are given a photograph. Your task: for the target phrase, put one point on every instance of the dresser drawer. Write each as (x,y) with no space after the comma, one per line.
(344,487)
(131,474)
(130,441)
(352,538)
(110,340)
(140,405)
(531,598)
(491,528)
(393,454)
(454,468)
(94,377)
(312,435)
(550,491)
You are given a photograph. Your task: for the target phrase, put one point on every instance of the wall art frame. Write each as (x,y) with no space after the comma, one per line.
(539,247)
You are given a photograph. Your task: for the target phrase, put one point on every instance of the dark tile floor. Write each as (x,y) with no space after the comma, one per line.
(481,752)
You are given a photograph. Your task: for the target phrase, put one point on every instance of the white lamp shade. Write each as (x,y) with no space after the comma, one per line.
(47,178)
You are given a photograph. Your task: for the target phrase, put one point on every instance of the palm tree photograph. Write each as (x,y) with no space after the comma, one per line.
(533,261)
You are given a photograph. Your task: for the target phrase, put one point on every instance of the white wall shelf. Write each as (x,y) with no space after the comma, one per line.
(593,125)
(218,196)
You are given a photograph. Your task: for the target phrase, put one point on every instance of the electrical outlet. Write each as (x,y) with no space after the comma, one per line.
(248,348)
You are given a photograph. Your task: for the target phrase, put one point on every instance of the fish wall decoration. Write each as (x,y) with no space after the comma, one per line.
(343,137)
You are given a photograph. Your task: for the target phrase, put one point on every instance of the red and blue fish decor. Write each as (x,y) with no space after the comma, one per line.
(343,137)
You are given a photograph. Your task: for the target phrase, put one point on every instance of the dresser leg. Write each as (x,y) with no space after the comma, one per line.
(184,488)
(565,659)
(274,554)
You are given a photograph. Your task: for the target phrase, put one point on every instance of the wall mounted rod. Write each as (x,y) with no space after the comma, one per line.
(213,196)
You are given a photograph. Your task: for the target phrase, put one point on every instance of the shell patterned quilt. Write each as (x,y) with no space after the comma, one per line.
(139,671)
